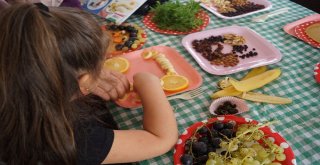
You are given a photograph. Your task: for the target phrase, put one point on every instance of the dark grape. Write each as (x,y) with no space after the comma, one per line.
(201,159)
(218,125)
(186,159)
(214,133)
(119,46)
(227,132)
(199,148)
(204,139)
(216,142)
(229,125)
(211,149)
(203,130)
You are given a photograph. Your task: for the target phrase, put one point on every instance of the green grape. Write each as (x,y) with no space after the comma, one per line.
(262,153)
(266,161)
(275,163)
(252,152)
(219,161)
(211,162)
(236,154)
(212,155)
(250,161)
(280,157)
(224,145)
(243,151)
(257,146)
(242,129)
(233,147)
(257,136)
(279,150)
(248,137)
(235,161)
(261,132)
(255,162)
(272,156)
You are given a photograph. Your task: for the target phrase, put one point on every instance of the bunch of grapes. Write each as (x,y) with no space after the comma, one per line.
(221,143)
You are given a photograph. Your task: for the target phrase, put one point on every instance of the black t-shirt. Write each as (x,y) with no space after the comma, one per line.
(93,142)
(94,133)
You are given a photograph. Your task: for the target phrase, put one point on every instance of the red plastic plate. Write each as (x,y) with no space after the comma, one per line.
(278,139)
(300,31)
(147,20)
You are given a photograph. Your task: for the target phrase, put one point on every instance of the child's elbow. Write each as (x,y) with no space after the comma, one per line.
(170,141)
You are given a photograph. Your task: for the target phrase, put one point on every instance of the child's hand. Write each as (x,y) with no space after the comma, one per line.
(110,85)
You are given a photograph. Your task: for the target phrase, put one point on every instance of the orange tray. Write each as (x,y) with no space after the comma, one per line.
(138,64)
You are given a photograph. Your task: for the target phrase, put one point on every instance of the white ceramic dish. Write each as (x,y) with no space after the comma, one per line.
(213,10)
(241,104)
(267,53)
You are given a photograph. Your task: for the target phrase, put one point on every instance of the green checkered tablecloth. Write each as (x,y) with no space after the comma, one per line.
(299,122)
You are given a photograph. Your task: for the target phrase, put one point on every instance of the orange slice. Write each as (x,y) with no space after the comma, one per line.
(119,64)
(174,83)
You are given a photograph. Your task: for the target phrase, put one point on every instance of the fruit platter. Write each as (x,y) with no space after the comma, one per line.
(232,140)
(175,73)
(228,9)
(125,38)
(230,49)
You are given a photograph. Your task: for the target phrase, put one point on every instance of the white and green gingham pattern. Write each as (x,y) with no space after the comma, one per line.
(299,122)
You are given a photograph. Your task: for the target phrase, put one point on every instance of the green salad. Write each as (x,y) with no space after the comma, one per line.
(175,15)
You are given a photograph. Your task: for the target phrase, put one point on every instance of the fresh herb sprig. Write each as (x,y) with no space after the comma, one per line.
(175,15)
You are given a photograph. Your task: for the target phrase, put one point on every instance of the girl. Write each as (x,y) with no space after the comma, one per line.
(45,55)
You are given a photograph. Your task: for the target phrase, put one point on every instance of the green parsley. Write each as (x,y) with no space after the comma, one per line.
(176,15)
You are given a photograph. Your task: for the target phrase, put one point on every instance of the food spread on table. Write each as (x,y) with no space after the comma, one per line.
(233,7)
(176,74)
(228,105)
(171,81)
(255,79)
(125,38)
(226,108)
(232,140)
(225,139)
(174,17)
(217,57)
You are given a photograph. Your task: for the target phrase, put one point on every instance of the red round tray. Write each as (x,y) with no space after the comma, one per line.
(179,147)
(317,72)
(300,31)
(147,20)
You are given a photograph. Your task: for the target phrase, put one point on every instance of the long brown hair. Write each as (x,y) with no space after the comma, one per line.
(41,54)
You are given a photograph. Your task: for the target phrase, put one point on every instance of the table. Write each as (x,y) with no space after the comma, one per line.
(298,123)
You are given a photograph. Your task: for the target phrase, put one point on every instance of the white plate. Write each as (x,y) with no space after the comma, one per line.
(267,53)
(266,3)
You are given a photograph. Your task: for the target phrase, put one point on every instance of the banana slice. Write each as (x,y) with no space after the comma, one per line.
(256,81)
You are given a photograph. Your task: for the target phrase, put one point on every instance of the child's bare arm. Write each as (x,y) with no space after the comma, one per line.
(160,128)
